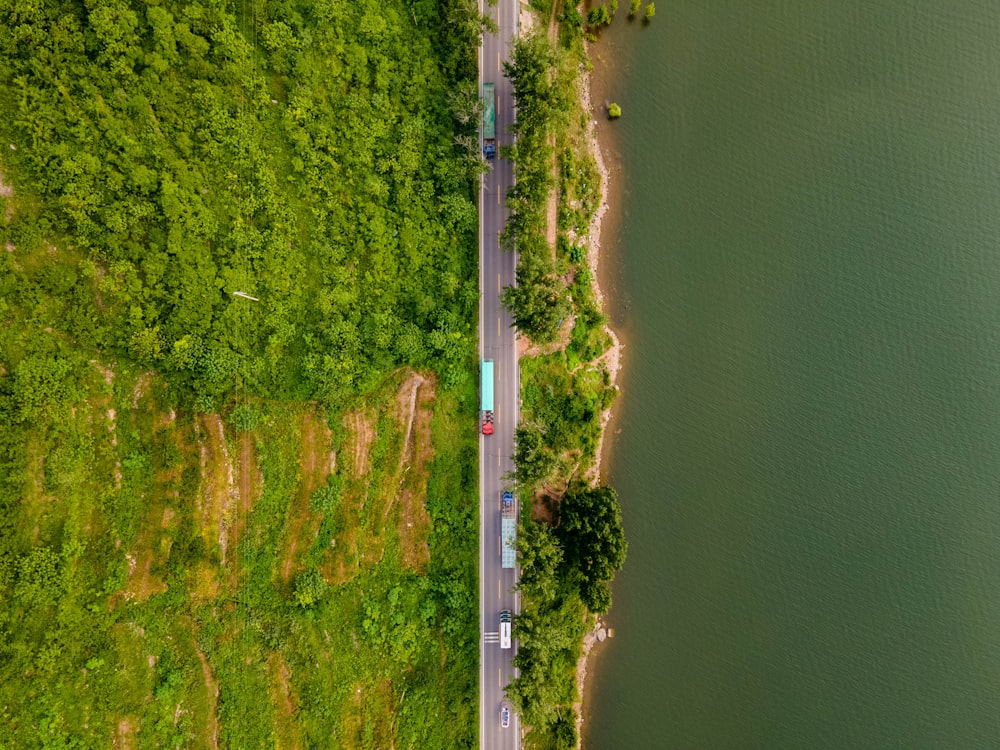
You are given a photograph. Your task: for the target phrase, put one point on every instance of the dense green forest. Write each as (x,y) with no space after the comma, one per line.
(224,521)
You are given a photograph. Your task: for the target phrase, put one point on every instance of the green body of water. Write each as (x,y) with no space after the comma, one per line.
(806,268)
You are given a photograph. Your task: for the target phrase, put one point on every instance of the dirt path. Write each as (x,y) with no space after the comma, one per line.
(281,698)
(413,383)
(219,496)
(212,689)
(250,480)
(297,520)
(125,737)
(414,409)
(7,192)
(314,465)
(363,433)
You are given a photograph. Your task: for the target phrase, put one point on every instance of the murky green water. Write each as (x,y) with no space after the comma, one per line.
(809,284)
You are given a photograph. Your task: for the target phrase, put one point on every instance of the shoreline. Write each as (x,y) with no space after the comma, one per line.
(611,359)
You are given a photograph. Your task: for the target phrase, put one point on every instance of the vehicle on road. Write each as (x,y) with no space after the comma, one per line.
(508,531)
(489,121)
(487,396)
(504,717)
(505,629)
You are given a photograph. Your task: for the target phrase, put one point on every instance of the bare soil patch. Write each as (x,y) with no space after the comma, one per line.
(314,466)
(360,426)
(212,693)
(218,497)
(142,584)
(351,547)
(125,736)
(414,409)
(141,388)
(7,193)
(371,717)
(250,487)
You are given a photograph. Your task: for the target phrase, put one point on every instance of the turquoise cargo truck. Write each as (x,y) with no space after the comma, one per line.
(487,396)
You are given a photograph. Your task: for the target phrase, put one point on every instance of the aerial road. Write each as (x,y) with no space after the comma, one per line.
(497,344)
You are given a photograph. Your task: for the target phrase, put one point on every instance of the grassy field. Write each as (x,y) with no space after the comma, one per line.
(284,577)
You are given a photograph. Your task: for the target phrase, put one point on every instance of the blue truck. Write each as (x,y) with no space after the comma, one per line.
(508,531)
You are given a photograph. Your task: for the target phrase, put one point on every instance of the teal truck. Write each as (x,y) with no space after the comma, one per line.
(487,396)
(489,121)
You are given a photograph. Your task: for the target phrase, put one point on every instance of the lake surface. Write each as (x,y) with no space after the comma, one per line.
(805,264)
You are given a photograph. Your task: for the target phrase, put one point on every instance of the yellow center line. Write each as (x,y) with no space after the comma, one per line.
(499,679)
(498,283)
(498,327)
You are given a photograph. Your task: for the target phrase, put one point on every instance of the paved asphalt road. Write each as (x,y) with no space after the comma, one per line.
(496,451)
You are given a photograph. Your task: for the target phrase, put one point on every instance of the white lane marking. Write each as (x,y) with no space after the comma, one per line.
(499,595)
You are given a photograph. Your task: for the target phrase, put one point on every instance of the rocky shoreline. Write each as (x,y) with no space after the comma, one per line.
(611,359)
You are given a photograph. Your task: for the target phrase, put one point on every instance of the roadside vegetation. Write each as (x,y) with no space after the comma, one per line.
(229,523)
(572,542)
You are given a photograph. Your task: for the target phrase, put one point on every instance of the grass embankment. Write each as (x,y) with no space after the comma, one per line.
(571,543)
(226,523)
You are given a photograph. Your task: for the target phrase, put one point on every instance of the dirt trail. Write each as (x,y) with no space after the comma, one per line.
(361,427)
(406,407)
(212,690)
(314,465)
(125,736)
(218,495)
(251,480)
(283,702)
(414,409)
(7,192)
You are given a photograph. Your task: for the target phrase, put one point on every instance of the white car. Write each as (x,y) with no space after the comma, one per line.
(504,717)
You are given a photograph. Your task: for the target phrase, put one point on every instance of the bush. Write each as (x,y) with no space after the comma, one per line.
(310,588)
